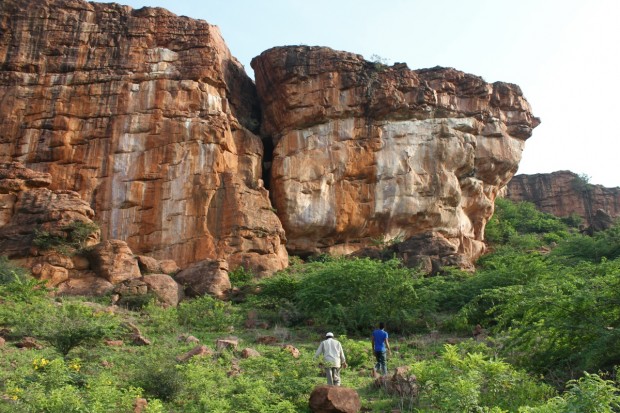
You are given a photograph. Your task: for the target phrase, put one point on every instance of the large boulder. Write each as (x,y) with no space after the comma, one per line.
(334,399)
(387,152)
(52,274)
(114,261)
(205,277)
(87,286)
(16,178)
(165,288)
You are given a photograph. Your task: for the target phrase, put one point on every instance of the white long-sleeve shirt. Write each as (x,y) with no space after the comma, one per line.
(332,352)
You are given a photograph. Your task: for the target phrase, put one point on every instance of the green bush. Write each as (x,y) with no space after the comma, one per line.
(462,295)
(57,385)
(472,382)
(359,354)
(603,244)
(11,273)
(275,299)
(352,295)
(137,302)
(573,220)
(104,394)
(274,382)
(240,277)
(204,388)
(28,290)
(590,393)
(561,322)
(207,313)
(159,377)
(160,319)
(511,219)
(68,239)
(287,384)
(65,326)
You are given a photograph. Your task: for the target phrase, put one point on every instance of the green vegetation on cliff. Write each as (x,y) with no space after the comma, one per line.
(544,306)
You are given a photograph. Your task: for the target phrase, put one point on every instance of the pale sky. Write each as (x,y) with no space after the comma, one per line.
(564,54)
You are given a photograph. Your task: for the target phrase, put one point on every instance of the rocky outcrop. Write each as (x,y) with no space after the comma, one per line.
(143,121)
(30,208)
(148,117)
(564,193)
(51,232)
(363,151)
(428,252)
(43,229)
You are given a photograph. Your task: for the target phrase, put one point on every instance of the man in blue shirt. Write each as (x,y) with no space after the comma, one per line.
(380,345)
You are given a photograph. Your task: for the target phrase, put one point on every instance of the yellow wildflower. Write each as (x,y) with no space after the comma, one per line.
(14,393)
(75,365)
(40,363)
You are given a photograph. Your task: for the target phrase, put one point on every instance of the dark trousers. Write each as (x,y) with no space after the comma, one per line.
(381,365)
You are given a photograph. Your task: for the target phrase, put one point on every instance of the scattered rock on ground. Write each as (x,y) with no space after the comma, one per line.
(294,351)
(139,405)
(247,353)
(334,399)
(227,344)
(402,383)
(198,351)
(29,343)
(267,340)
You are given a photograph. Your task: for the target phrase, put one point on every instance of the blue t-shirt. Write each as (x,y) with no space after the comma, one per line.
(379,337)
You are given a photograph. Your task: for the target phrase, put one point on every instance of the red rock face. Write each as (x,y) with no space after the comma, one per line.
(142,113)
(366,152)
(145,123)
(564,193)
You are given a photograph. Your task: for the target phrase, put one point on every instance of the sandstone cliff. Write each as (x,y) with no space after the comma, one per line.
(365,152)
(145,115)
(143,122)
(564,193)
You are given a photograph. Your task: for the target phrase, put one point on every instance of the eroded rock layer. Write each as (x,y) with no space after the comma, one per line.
(564,193)
(365,152)
(145,115)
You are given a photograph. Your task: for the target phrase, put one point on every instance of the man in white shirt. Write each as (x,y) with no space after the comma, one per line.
(333,355)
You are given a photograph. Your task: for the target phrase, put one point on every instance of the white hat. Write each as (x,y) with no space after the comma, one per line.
(330,334)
